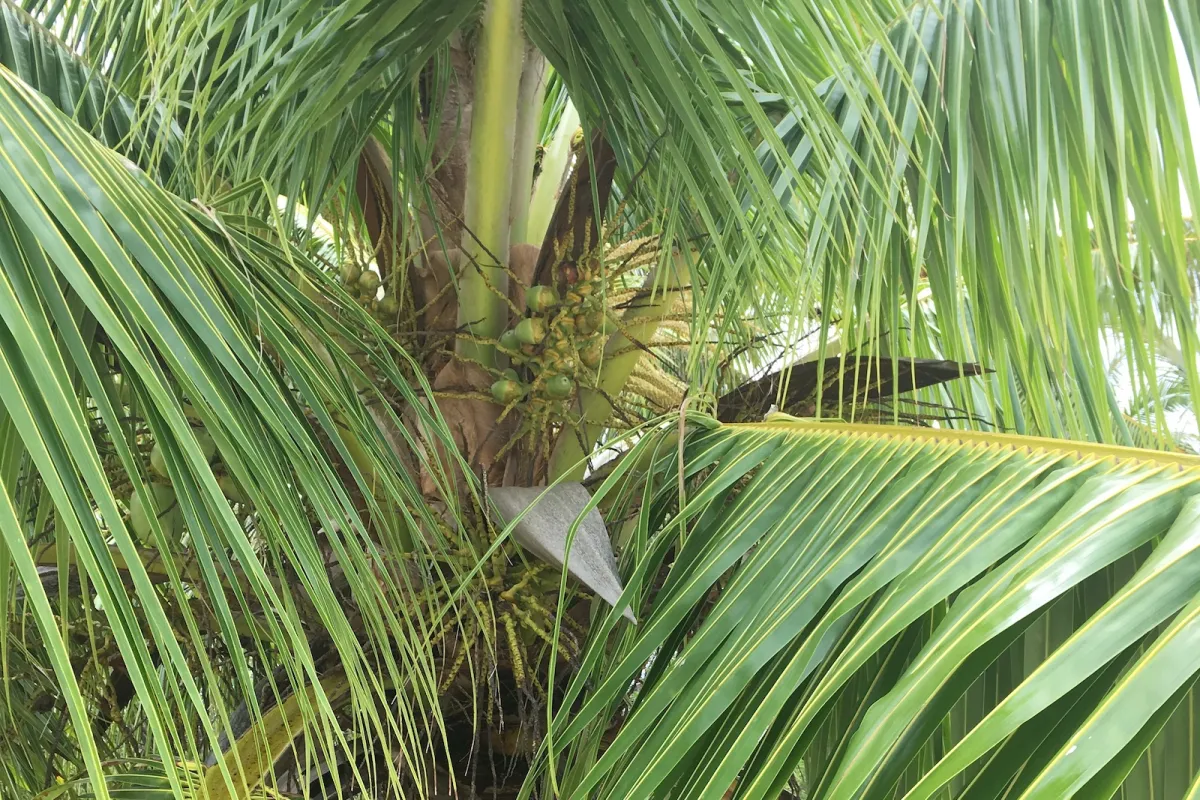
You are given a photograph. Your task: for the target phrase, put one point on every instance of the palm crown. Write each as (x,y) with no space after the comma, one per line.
(301,303)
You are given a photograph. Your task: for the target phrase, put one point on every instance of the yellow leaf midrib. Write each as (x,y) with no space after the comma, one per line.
(1033,444)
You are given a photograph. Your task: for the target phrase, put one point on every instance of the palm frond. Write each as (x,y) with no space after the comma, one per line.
(1028,136)
(88,96)
(890,609)
(242,544)
(107,275)
(288,91)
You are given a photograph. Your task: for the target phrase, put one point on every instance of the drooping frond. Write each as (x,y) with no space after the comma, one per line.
(142,338)
(88,96)
(290,91)
(993,224)
(244,525)
(885,608)
(926,181)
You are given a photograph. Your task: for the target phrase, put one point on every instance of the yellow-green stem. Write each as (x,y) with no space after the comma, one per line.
(554,166)
(482,309)
(253,756)
(529,112)
(639,324)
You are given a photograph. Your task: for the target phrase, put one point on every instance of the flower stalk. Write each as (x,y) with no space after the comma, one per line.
(638,324)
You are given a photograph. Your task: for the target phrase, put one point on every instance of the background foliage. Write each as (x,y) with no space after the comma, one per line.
(999,185)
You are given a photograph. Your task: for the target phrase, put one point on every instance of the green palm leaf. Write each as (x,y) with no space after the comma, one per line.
(1027,136)
(35,56)
(102,267)
(859,580)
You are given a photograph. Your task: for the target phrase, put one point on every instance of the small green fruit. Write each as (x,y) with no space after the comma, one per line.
(387,308)
(592,353)
(207,446)
(585,289)
(350,273)
(600,321)
(559,386)
(505,391)
(368,284)
(170,515)
(509,341)
(540,299)
(582,325)
(511,374)
(531,330)
(231,489)
(158,461)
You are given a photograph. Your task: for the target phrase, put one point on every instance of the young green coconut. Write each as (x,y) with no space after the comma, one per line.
(207,445)
(508,389)
(387,308)
(510,343)
(368,284)
(232,489)
(505,391)
(170,515)
(350,273)
(559,387)
(530,331)
(158,461)
(540,299)
(592,353)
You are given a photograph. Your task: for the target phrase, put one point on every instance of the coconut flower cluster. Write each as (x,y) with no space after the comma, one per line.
(557,345)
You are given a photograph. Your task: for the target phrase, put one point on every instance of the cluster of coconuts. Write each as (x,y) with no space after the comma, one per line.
(365,283)
(559,338)
(160,490)
(170,516)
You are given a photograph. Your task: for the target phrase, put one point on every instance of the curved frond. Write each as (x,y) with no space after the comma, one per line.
(887,610)
(1033,191)
(276,312)
(132,320)
(86,95)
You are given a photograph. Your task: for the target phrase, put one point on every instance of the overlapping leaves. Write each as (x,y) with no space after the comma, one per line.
(35,56)
(290,89)
(867,606)
(104,271)
(1019,189)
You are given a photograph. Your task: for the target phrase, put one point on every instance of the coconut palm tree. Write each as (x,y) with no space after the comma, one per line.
(530,399)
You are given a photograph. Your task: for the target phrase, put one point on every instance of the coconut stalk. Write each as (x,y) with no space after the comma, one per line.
(639,323)
(555,161)
(256,752)
(483,286)
(530,96)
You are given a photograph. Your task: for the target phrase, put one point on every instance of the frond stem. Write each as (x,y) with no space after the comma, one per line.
(489,179)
